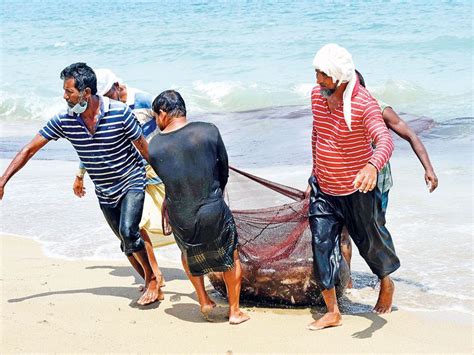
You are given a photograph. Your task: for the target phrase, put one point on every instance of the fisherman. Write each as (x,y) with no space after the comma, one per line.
(109,85)
(90,122)
(192,161)
(346,120)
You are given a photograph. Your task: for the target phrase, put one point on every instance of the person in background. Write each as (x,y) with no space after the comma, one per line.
(384,179)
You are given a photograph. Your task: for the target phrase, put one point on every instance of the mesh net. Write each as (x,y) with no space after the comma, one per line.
(274,242)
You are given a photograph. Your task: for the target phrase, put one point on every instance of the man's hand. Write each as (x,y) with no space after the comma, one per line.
(78,187)
(431,180)
(366,178)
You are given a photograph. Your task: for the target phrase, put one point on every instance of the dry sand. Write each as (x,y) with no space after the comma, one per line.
(54,305)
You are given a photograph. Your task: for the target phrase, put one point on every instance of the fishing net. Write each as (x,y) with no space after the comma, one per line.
(274,243)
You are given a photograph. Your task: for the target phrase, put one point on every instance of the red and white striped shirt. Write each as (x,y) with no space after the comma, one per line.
(339,154)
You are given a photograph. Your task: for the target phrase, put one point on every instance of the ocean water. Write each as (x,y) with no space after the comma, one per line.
(246,66)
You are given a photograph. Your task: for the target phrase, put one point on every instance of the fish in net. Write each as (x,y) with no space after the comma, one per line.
(274,243)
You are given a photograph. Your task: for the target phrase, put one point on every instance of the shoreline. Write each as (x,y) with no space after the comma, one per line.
(58,305)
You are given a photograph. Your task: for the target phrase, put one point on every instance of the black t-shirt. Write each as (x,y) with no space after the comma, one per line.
(192,162)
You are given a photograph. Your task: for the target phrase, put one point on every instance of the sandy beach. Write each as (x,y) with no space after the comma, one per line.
(56,305)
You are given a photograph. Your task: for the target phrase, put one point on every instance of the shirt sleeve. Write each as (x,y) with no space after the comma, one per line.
(131,127)
(383,105)
(379,134)
(53,129)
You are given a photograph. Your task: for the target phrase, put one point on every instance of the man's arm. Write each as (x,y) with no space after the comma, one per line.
(314,136)
(142,146)
(400,127)
(133,131)
(21,159)
(366,178)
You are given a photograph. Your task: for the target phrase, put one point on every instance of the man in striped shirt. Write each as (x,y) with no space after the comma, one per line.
(346,120)
(108,85)
(108,140)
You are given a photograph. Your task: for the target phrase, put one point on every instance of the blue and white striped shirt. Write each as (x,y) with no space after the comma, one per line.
(109,156)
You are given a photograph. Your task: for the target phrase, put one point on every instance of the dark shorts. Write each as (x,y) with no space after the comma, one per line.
(209,242)
(124,220)
(214,256)
(363,216)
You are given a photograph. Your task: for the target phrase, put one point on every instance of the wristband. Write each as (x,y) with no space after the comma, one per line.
(80,173)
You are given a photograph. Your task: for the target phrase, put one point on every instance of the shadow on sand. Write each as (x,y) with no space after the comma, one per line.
(190,312)
(130,293)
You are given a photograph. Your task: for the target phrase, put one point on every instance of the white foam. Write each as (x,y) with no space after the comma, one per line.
(60,44)
(216,91)
(28,106)
(303,90)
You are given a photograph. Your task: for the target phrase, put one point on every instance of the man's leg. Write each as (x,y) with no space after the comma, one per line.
(233,281)
(366,224)
(346,251)
(136,265)
(325,257)
(198,282)
(385,299)
(387,287)
(326,225)
(152,258)
(333,316)
(112,216)
(152,292)
(131,211)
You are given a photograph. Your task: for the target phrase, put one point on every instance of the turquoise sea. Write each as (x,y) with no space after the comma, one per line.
(239,55)
(246,66)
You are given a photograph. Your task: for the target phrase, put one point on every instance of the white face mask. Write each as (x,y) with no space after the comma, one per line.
(79,107)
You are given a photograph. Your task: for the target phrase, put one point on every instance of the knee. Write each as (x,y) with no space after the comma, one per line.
(128,231)
(131,238)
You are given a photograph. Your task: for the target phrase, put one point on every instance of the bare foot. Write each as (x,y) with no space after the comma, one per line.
(326,321)
(206,308)
(161,278)
(151,294)
(238,318)
(384,303)
(142,288)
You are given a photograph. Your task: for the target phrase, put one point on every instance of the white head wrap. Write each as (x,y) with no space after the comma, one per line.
(105,80)
(336,62)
